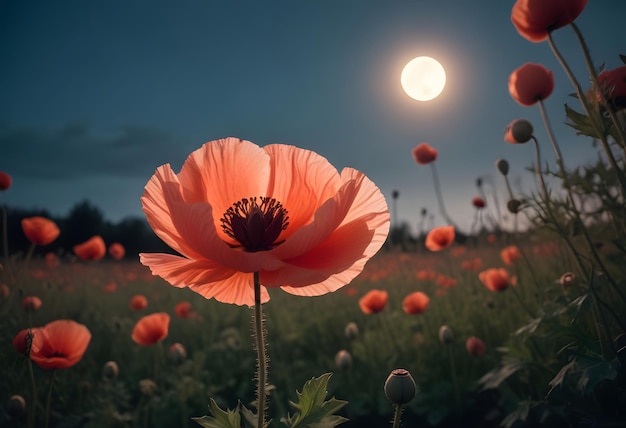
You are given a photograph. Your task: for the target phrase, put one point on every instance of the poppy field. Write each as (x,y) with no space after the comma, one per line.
(291,298)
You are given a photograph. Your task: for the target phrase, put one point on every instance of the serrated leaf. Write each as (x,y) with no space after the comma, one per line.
(312,410)
(592,372)
(560,376)
(493,378)
(581,123)
(220,418)
(519,414)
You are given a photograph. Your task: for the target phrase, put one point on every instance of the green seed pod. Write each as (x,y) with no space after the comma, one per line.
(16,405)
(513,206)
(400,387)
(445,335)
(110,370)
(503,166)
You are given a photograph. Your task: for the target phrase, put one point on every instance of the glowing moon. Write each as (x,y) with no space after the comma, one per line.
(423,78)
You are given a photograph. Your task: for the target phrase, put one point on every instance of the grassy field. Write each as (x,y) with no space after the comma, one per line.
(531,330)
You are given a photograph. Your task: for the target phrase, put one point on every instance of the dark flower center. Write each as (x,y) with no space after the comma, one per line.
(256,223)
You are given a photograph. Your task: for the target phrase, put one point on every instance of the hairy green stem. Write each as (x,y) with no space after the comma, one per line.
(260,349)
(397,416)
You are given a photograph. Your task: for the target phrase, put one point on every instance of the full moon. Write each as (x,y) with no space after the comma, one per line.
(423,78)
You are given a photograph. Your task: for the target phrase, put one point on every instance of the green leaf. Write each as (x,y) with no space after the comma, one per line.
(220,418)
(495,377)
(312,411)
(581,123)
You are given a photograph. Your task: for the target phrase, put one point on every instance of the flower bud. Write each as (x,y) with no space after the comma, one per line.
(110,370)
(446,335)
(147,387)
(400,387)
(352,330)
(514,206)
(503,166)
(343,360)
(475,346)
(177,353)
(16,405)
(567,279)
(519,131)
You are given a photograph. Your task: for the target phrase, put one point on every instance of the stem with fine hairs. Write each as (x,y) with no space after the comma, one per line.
(261,356)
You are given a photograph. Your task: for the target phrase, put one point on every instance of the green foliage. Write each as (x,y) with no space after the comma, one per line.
(312,409)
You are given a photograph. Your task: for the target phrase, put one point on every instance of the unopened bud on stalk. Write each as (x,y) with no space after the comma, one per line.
(177,353)
(503,166)
(343,360)
(400,387)
(519,131)
(352,330)
(514,206)
(445,334)
(110,370)
(567,279)
(147,387)
(16,405)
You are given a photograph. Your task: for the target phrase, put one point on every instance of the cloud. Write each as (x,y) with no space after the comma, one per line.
(75,151)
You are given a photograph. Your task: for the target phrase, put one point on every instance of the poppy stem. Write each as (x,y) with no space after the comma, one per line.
(31,416)
(49,399)
(5,239)
(260,349)
(397,416)
(442,208)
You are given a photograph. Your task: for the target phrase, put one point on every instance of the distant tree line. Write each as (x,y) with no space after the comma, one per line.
(83,221)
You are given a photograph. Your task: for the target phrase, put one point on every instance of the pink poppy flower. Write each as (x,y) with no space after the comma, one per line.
(531,83)
(535,19)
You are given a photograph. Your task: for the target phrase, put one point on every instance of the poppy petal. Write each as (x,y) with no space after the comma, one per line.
(182,272)
(237,289)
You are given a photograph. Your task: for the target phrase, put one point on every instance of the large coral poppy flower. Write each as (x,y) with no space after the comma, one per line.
(151,329)
(92,249)
(496,279)
(531,83)
(440,238)
(424,154)
(535,19)
(236,208)
(415,303)
(59,344)
(373,301)
(40,230)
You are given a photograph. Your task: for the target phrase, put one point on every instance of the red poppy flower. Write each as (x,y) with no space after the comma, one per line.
(496,279)
(510,255)
(116,250)
(531,83)
(40,230)
(440,238)
(5,181)
(424,154)
(31,303)
(291,217)
(22,340)
(52,260)
(426,275)
(475,346)
(535,19)
(613,85)
(183,309)
(138,302)
(59,344)
(478,202)
(373,301)
(472,265)
(445,281)
(415,303)
(92,249)
(151,329)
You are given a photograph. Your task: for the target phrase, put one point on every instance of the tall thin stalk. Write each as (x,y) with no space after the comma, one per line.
(442,208)
(261,353)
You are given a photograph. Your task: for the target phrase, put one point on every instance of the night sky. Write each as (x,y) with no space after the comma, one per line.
(94,95)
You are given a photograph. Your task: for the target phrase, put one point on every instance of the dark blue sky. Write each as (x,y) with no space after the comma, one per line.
(97,94)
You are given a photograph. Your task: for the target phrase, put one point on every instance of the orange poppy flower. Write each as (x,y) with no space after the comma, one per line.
(531,83)
(291,217)
(151,329)
(92,249)
(5,181)
(440,238)
(535,19)
(138,302)
(31,303)
(475,346)
(40,230)
(59,344)
(445,281)
(613,84)
(415,303)
(117,251)
(425,154)
(52,260)
(373,301)
(183,309)
(496,279)
(510,255)
(426,275)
